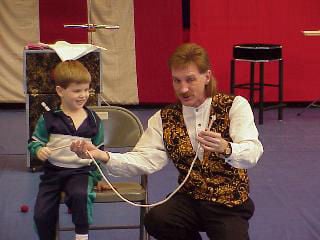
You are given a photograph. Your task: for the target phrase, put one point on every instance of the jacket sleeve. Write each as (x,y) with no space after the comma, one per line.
(98,140)
(39,138)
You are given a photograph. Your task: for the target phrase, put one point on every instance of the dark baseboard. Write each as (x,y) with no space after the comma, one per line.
(267,104)
(20,106)
(13,106)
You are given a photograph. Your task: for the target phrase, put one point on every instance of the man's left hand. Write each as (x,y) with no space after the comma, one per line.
(212,141)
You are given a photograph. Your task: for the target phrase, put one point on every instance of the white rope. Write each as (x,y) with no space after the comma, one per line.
(212,119)
(128,201)
(57,148)
(146,205)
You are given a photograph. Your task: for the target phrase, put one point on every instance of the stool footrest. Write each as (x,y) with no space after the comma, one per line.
(274,106)
(247,85)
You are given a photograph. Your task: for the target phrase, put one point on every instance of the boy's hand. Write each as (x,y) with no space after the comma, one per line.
(102,186)
(43,153)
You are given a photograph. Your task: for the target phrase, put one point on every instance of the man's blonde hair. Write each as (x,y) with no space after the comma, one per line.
(188,53)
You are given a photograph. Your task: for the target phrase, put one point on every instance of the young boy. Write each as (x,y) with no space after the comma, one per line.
(63,169)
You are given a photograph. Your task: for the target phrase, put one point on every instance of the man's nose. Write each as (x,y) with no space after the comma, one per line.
(184,87)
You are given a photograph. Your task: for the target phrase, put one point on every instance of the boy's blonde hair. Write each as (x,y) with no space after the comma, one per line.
(70,71)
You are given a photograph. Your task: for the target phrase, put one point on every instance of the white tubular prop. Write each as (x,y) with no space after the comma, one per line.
(45,106)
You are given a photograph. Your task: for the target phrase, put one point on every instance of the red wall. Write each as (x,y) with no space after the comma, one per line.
(219,24)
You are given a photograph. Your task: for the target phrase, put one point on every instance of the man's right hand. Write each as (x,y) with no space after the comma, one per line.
(81,148)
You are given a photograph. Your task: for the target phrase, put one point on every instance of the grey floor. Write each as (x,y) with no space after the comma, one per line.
(285,184)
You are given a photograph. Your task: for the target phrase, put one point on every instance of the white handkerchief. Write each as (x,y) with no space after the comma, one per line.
(68,51)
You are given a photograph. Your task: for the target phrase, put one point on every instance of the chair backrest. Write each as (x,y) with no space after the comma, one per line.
(123,129)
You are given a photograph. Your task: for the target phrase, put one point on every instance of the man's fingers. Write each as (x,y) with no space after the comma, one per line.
(210,134)
(74,146)
(78,146)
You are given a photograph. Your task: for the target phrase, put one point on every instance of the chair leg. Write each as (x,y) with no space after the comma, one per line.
(143,233)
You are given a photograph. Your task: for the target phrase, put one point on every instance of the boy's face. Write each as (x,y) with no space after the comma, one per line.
(74,96)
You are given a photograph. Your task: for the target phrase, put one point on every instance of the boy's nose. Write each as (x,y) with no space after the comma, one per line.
(84,94)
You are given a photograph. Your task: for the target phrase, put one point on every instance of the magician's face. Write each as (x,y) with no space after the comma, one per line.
(189,85)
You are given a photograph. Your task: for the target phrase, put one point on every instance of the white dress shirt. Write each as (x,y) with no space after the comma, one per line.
(149,155)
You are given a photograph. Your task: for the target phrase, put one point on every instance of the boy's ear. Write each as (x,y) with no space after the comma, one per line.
(59,91)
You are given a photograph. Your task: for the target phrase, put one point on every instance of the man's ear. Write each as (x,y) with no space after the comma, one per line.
(208,76)
(59,91)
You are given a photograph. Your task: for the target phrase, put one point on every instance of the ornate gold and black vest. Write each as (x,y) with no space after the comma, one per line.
(211,179)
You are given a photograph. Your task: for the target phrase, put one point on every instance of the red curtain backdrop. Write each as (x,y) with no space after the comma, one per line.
(158,29)
(219,24)
(54,14)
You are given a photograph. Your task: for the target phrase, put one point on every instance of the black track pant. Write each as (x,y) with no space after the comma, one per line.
(182,218)
(76,184)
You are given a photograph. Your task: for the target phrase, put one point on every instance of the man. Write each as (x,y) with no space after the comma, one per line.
(215,198)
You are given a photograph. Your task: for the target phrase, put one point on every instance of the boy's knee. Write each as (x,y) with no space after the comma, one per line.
(77,197)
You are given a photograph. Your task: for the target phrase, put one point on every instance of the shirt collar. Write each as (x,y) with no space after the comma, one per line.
(203,106)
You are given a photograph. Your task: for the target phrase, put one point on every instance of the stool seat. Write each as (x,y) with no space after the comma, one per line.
(258,52)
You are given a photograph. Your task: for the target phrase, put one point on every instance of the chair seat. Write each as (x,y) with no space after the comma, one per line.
(129,190)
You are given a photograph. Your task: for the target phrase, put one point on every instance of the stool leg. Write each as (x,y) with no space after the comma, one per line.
(280,94)
(261,91)
(232,77)
(252,84)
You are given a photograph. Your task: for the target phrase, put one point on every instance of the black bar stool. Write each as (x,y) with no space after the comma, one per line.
(260,54)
